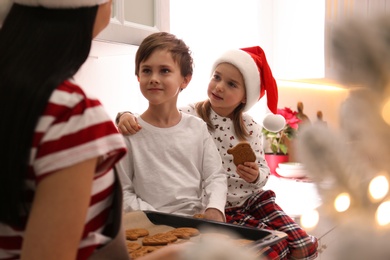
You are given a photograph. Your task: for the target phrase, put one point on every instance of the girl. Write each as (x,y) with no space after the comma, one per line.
(239,79)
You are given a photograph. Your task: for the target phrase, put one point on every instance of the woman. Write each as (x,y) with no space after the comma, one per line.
(58,189)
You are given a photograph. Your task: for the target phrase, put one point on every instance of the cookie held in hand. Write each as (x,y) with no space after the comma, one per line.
(242,152)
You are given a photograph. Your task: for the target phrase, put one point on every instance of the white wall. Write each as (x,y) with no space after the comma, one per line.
(209,29)
(298,44)
(108,74)
(326,100)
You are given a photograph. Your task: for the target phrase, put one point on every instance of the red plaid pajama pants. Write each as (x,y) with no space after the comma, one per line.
(261,211)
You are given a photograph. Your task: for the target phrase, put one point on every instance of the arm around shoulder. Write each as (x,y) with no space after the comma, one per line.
(127,123)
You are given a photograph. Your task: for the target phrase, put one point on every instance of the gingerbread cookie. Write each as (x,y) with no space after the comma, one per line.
(242,152)
(198,216)
(139,252)
(159,239)
(184,232)
(135,233)
(132,246)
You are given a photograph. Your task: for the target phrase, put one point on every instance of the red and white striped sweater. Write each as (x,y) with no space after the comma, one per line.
(72,129)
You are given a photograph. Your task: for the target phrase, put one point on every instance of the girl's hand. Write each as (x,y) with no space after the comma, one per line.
(128,124)
(249,171)
(214,214)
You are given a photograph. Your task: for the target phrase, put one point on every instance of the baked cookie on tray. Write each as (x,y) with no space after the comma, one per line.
(135,233)
(184,232)
(143,250)
(159,239)
(132,246)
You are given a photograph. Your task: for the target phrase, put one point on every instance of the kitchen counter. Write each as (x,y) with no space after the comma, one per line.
(294,196)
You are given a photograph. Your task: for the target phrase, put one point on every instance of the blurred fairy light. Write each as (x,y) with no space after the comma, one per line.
(342,202)
(378,187)
(310,219)
(383,213)
(362,212)
(386,112)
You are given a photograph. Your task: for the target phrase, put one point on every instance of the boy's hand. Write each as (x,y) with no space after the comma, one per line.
(249,171)
(128,124)
(214,214)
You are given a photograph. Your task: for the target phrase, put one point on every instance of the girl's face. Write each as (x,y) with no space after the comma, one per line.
(102,18)
(160,78)
(226,89)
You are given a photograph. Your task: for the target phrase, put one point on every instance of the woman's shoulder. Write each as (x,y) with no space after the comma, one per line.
(70,115)
(71,89)
(67,96)
(70,96)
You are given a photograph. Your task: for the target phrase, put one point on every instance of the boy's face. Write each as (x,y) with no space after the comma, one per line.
(226,89)
(160,78)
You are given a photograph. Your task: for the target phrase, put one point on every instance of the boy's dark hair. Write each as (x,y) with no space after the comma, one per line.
(165,41)
(39,49)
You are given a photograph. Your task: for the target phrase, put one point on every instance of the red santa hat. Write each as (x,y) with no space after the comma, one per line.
(258,79)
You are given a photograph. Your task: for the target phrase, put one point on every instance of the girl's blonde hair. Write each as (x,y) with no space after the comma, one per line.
(203,109)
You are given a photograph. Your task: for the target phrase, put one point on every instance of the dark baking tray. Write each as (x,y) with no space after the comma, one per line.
(262,237)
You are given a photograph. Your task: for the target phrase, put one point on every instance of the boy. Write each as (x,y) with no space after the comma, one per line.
(173,166)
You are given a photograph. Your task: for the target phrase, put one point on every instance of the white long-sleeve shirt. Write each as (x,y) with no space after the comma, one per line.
(173,170)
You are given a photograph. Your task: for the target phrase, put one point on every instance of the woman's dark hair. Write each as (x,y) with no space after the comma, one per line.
(39,49)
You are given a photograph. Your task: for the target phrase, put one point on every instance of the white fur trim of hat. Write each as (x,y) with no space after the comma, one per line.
(249,70)
(258,80)
(5,5)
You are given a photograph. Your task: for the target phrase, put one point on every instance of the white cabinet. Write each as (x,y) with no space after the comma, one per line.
(133,20)
(294,196)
